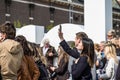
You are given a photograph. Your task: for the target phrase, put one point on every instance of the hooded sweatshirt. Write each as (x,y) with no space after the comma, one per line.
(11,53)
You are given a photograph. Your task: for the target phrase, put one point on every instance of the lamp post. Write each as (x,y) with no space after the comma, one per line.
(52,11)
(7,9)
(117,30)
(70,11)
(31,12)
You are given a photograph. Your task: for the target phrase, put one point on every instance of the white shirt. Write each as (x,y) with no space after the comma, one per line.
(45,50)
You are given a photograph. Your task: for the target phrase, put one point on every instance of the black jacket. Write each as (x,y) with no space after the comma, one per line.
(62,70)
(81,70)
(72,52)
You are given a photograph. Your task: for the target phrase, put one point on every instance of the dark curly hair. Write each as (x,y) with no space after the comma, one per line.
(9,29)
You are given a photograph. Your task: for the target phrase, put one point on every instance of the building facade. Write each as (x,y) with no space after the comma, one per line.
(49,13)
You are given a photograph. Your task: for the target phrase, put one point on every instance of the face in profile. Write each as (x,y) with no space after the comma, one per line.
(109,51)
(58,51)
(77,41)
(80,45)
(109,37)
(2,36)
(106,51)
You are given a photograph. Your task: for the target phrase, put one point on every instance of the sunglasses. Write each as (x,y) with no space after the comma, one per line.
(109,35)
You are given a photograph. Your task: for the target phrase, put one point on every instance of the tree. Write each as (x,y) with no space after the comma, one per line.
(18,24)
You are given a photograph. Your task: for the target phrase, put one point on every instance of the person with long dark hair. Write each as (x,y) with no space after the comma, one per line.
(81,69)
(28,69)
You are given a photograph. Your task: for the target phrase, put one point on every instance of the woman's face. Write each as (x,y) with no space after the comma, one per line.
(106,52)
(77,41)
(109,37)
(80,46)
(59,50)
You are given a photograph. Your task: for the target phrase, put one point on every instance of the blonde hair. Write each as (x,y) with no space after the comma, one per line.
(111,51)
(63,55)
(37,52)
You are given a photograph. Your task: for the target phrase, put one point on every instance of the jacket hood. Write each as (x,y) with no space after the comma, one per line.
(12,46)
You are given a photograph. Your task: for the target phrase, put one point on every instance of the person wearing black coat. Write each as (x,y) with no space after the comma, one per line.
(81,69)
(73,52)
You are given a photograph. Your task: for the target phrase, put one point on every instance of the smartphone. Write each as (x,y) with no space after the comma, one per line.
(60,28)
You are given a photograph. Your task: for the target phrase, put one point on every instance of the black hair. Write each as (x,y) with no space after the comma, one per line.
(88,50)
(22,40)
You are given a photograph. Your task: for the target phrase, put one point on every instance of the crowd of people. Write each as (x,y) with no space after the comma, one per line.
(24,60)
